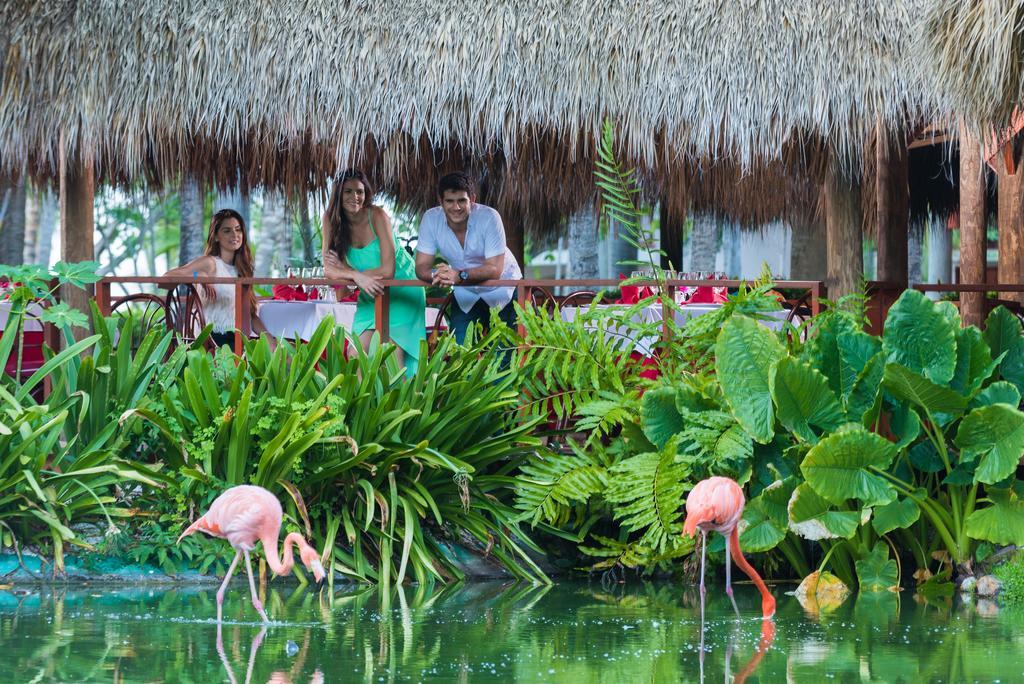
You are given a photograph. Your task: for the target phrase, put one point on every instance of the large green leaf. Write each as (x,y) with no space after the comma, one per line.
(920,337)
(864,400)
(876,571)
(812,517)
(1003,334)
(823,352)
(908,385)
(765,518)
(837,467)
(744,355)
(996,434)
(974,363)
(895,515)
(658,415)
(905,424)
(999,392)
(1000,523)
(856,348)
(803,398)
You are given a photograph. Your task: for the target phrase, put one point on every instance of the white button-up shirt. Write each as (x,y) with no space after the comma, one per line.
(485,238)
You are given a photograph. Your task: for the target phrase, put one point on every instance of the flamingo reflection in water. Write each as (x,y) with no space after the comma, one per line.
(278,677)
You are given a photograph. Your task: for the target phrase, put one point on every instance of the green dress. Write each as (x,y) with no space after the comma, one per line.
(407,320)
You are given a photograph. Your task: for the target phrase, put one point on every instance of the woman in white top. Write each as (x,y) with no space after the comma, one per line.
(227,255)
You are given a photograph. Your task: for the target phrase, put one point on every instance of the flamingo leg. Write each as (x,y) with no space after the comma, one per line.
(703,549)
(728,577)
(224,586)
(256,603)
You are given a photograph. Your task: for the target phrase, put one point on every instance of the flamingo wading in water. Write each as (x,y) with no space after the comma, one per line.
(245,515)
(716,505)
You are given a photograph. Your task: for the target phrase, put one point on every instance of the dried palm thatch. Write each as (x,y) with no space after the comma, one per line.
(285,92)
(976,48)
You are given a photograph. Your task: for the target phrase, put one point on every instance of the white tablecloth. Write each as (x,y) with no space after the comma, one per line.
(286,319)
(655,313)
(30,324)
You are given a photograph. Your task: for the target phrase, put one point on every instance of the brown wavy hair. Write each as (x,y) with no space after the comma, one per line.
(339,227)
(243,262)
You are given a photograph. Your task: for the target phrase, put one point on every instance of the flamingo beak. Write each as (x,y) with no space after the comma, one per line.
(318,570)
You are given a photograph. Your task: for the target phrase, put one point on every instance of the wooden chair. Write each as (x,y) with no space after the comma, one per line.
(542,299)
(147,310)
(440,325)
(185,315)
(584,298)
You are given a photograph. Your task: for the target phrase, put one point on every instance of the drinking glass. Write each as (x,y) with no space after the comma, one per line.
(720,290)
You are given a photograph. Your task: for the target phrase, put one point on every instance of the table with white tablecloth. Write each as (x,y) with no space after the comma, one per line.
(291,319)
(654,313)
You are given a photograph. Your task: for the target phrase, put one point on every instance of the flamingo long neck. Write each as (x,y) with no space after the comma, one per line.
(282,565)
(767,600)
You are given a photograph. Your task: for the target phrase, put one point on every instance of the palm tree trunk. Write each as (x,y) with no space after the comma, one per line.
(583,243)
(704,242)
(270,236)
(844,239)
(309,255)
(12,225)
(191,242)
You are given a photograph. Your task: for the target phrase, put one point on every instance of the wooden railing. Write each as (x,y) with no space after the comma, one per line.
(243,321)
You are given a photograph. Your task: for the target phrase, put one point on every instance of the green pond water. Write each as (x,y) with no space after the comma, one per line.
(496,632)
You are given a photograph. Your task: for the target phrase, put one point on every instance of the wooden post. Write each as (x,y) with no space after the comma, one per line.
(77,190)
(381,306)
(1010,199)
(892,208)
(103,297)
(844,240)
(972,227)
(240,307)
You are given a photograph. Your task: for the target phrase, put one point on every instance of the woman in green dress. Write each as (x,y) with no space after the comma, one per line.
(359,246)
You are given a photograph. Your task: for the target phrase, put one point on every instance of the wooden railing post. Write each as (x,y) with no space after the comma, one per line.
(521,299)
(381,307)
(239,318)
(103,296)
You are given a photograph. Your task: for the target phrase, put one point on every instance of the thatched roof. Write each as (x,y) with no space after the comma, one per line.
(976,48)
(285,90)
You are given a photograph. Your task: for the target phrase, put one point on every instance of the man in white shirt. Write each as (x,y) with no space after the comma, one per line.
(470,237)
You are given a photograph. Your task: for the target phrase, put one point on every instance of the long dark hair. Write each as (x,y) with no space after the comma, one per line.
(243,257)
(339,229)
(243,261)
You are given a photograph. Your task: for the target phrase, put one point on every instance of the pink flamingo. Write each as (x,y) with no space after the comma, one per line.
(716,504)
(245,515)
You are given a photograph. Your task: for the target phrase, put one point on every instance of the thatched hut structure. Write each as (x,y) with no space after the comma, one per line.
(282,93)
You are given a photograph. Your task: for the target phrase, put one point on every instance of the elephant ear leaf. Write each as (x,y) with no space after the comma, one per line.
(996,434)
(919,336)
(765,517)
(1000,523)
(659,417)
(974,362)
(876,571)
(1003,335)
(745,353)
(803,398)
(999,392)
(895,515)
(910,386)
(845,466)
(812,517)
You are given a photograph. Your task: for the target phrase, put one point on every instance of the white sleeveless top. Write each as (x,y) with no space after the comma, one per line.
(220,312)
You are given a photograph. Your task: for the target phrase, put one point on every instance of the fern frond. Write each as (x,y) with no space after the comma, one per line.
(650,489)
(548,488)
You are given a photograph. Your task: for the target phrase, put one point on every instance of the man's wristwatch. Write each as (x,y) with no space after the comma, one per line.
(463,276)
